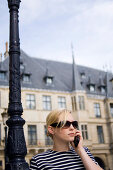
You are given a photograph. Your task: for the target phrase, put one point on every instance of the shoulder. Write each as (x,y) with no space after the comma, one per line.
(39,155)
(35,160)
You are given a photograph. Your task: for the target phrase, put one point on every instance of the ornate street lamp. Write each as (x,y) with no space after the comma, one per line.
(16,146)
(4,119)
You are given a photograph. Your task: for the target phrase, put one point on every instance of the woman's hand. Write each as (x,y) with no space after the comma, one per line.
(80,144)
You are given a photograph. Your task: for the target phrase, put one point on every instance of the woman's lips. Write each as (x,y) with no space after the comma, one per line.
(71,134)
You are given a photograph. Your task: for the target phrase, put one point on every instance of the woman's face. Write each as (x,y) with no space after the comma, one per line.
(65,134)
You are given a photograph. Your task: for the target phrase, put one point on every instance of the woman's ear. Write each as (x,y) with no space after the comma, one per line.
(51,130)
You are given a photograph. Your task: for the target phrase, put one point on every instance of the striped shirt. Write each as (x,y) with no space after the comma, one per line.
(53,160)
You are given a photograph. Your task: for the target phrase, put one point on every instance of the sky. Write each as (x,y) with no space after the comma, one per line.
(47,28)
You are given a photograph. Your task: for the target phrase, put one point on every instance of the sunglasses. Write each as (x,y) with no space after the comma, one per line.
(67,124)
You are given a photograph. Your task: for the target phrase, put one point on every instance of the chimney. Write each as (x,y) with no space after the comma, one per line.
(6,54)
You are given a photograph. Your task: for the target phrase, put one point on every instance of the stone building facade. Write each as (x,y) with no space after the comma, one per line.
(48,85)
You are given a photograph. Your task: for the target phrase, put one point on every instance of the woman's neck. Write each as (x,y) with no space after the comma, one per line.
(61,147)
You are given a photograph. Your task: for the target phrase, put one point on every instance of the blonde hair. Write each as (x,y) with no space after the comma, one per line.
(54,117)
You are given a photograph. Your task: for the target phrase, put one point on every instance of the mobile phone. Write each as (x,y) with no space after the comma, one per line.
(76,140)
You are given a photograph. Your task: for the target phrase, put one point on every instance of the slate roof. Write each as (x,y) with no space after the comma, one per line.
(62,75)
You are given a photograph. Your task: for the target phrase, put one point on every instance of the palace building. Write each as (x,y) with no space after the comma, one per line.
(47,85)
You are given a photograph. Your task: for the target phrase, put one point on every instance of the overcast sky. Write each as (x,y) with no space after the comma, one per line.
(47,28)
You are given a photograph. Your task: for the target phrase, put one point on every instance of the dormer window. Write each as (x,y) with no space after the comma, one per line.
(22,66)
(2,75)
(49,80)
(26,78)
(92,88)
(102,85)
(83,75)
(91,84)
(103,90)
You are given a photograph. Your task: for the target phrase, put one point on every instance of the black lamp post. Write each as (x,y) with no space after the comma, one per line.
(16,146)
(4,118)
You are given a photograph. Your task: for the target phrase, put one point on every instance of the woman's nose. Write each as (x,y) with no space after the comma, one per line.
(72,127)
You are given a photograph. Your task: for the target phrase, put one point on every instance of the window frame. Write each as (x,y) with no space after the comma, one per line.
(46,102)
(92,88)
(84,130)
(81,102)
(111,109)
(26,78)
(97,110)
(0,134)
(2,75)
(30,102)
(74,104)
(32,133)
(100,134)
(61,102)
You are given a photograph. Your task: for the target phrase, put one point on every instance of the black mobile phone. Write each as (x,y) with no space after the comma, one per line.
(76,140)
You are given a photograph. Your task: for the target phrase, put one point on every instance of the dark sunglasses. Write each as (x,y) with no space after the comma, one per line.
(67,124)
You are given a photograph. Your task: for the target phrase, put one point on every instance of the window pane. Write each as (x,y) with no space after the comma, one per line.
(2,76)
(49,80)
(111,109)
(30,101)
(92,88)
(97,109)
(47,102)
(0,162)
(103,89)
(81,102)
(73,100)
(26,78)
(32,135)
(0,134)
(84,132)
(61,102)
(100,134)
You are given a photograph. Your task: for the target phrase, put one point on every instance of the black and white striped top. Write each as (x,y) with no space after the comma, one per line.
(53,160)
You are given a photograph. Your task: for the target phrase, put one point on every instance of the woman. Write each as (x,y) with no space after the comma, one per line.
(64,155)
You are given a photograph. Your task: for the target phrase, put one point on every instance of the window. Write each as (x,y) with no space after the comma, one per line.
(32,135)
(26,78)
(0,98)
(92,88)
(103,90)
(100,134)
(111,109)
(49,80)
(61,102)
(2,75)
(84,132)
(47,102)
(83,75)
(0,134)
(97,109)
(81,102)
(73,100)
(30,101)
(0,163)
(48,140)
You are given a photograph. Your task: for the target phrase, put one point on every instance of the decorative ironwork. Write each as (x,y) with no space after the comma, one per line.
(16,146)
